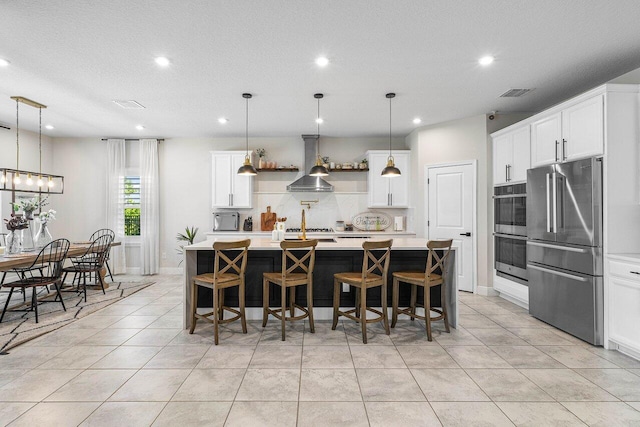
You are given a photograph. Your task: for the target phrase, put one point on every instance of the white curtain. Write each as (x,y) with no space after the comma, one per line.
(115,203)
(149,207)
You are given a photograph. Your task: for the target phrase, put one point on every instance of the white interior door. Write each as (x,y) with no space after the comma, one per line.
(451,215)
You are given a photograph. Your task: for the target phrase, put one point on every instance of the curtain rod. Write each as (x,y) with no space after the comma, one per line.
(132,139)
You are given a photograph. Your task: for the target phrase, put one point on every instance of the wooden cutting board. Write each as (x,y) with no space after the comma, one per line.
(267,220)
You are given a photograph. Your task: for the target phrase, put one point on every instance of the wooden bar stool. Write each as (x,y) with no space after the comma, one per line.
(227,273)
(296,271)
(363,280)
(427,279)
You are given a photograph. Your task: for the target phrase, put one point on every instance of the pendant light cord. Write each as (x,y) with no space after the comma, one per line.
(318,126)
(17,134)
(247,125)
(390,126)
(40,141)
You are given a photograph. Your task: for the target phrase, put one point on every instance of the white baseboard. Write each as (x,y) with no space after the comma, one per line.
(486,291)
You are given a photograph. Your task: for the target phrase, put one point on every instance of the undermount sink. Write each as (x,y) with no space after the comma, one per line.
(321,239)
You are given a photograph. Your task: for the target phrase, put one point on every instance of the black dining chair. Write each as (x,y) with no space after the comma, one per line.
(92,261)
(102,232)
(45,270)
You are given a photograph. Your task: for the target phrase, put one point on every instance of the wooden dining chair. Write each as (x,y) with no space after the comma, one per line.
(229,265)
(297,270)
(426,279)
(375,267)
(45,270)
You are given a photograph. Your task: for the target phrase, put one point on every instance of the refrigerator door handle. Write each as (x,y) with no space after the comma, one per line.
(548,207)
(557,273)
(560,248)
(555,201)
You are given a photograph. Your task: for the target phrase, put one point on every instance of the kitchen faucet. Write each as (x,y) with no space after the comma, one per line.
(303,227)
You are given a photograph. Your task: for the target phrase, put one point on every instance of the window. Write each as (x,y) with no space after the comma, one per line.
(130,193)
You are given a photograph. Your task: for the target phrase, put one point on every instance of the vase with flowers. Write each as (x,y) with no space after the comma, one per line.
(43,237)
(29,206)
(16,224)
(261,152)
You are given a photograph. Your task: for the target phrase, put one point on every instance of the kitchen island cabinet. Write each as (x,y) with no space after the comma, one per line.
(623,288)
(331,257)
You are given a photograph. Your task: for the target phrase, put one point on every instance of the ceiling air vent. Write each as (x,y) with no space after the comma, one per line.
(129,105)
(515,93)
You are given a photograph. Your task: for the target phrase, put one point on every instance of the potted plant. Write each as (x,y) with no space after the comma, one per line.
(261,153)
(188,236)
(28,206)
(364,163)
(325,162)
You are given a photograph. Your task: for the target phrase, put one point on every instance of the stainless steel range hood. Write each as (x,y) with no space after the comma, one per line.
(310,183)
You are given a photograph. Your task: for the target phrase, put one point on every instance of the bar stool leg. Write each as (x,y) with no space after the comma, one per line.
(194,306)
(336,303)
(385,315)
(412,304)
(443,301)
(216,303)
(292,301)
(243,317)
(363,313)
(283,303)
(310,304)
(427,311)
(221,303)
(394,302)
(265,301)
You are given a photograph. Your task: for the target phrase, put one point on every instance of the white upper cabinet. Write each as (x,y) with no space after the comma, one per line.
(574,133)
(511,156)
(583,129)
(388,192)
(546,135)
(228,189)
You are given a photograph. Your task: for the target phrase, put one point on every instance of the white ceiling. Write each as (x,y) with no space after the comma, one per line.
(77,56)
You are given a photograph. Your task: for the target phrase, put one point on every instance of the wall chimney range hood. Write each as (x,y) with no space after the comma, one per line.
(310,183)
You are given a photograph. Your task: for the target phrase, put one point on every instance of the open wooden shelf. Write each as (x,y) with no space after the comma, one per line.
(278,170)
(349,170)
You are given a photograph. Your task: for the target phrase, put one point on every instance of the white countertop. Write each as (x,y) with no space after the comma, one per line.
(357,233)
(401,243)
(625,257)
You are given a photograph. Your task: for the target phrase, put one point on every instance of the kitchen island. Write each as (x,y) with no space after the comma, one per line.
(331,257)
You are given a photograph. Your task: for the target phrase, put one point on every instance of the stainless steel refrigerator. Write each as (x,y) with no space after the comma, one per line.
(564,250)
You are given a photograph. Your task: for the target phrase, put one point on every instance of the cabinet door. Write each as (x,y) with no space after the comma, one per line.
(583,129)
(521,149)
(377,185)
(502,155)
(221,185)
(242,185)
(624,312)
(545,138)
(399,186)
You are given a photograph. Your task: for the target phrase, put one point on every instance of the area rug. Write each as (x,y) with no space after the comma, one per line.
(18,327)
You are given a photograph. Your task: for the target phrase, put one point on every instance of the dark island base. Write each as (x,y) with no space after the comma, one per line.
(327,263)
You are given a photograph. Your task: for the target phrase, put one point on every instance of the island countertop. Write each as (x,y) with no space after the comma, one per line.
(399,243)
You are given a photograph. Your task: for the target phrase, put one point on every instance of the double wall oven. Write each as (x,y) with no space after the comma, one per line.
(510,231)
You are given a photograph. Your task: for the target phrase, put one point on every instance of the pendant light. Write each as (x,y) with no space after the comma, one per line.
(247,168)
(391,171)
(318,169)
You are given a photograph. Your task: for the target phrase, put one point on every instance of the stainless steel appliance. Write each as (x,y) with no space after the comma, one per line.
(564,251)
(226,221)
(510,209)
(510,232)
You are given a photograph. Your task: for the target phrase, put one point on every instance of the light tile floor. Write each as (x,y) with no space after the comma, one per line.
(131,364)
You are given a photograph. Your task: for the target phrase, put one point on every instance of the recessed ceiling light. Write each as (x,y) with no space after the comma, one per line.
(486,60)
(49,127)
(417,121)
(319,120)
(223,120)
(322,61)
(4,63)
(163,61)
(139,127)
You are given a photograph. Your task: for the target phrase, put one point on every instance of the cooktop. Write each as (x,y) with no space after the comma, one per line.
(310,230)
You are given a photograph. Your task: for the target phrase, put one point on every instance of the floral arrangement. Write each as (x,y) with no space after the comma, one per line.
(32,204)
(325,159)
(261,152)
(17,222)
(47,216)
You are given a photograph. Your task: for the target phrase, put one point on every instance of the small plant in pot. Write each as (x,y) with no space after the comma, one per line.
(364,163)
(261,152)
(188,236)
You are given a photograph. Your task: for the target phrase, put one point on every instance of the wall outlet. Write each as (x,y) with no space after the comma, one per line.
(164,255)
(345,287)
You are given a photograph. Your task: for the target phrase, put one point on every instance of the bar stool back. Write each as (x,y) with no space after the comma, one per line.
(427,279)
(296,271)
(227,272)
(374,274)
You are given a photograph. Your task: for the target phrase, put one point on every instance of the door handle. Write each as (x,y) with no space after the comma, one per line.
(557,146)
(564,149)
(555,201)
(506,173)
(557,273)
(548,205)
(466,234)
